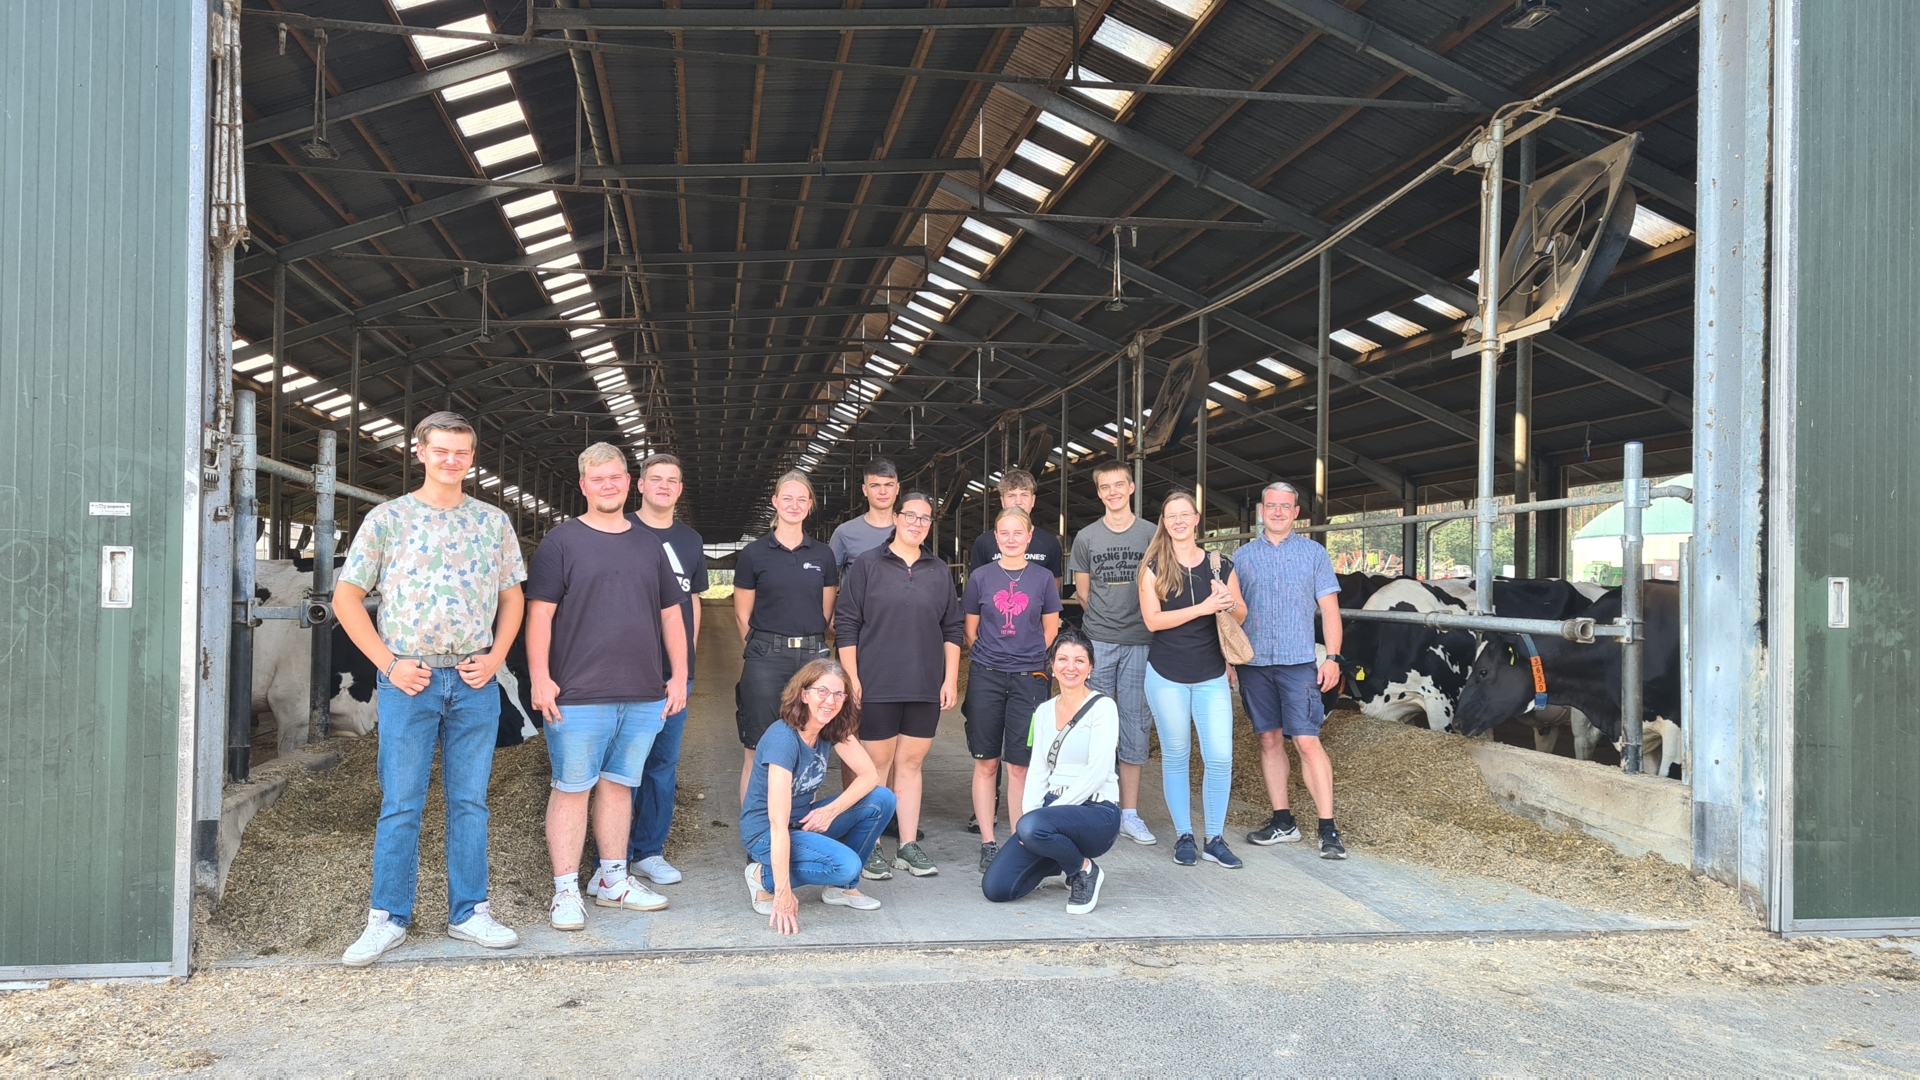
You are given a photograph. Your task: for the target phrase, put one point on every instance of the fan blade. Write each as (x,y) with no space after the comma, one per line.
(1183,393)
(1569,235)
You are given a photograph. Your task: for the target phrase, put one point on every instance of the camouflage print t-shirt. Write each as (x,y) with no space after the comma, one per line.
(439,572)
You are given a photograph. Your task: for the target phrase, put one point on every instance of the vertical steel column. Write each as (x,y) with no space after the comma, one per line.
(1066,455)
(1495,148)
(320,654)
(246,516)
(1120,404)
(1632,591)
(406,436)
(1139,422)
(277,546)
(986,482)
(1410,533)
(1321,393)
(1200,437)
(353,425)
(1523,405)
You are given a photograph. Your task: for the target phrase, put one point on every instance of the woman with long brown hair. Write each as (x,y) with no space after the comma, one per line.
(1182,588)
(792,838)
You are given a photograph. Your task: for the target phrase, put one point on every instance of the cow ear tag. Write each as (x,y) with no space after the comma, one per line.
(1359,674)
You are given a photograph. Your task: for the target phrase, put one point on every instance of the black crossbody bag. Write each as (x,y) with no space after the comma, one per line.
(1060,740)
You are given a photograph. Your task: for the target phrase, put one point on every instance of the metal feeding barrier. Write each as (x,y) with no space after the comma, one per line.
(316,612)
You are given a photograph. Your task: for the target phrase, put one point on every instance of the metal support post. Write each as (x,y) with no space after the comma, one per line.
(1495,151)
(986,482)
(1066,456)
(1139,423)
(246,515)
(1410,532)
(1523,406)
(1200,440)
(1632,591)
(277,548)
(1321,392)
(353,423)
(406,437)
(1120,405)
(320,601)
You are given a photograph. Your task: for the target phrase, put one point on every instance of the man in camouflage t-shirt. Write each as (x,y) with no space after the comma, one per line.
(448,570)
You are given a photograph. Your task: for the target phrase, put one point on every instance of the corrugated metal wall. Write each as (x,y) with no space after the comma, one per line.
(1856,752)
(97,135)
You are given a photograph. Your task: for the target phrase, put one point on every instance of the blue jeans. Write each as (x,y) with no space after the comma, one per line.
(833,857)
(1178,710)
(1051,840)
(464,722)
(611,741)
(653,796)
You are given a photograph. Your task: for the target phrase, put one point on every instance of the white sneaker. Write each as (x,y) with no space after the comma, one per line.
(483,931)
(381,934)
(1134,829)
(764,907)
(839,897)
(659,870)
(569,912)
(629,894)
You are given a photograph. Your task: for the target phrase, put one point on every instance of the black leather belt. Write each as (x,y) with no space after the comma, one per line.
(805,641)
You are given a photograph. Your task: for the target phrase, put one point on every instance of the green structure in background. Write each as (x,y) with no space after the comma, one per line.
(101,232)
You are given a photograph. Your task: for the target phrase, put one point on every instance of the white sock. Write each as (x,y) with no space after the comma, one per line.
(1130,815)
(613,871)
(566,883)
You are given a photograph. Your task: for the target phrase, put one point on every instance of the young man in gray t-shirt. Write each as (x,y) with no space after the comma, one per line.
(855,536)
(1104,564)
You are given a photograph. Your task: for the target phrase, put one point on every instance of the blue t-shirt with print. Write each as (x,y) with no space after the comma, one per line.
(1009,605)
(782,746)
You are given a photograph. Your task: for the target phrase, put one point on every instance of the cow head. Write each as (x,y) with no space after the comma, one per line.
(1499,686)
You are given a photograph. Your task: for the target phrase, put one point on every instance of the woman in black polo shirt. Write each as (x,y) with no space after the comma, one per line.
(897,626)
(783,592)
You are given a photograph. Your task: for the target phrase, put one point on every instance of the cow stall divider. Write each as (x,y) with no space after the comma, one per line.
(316,609)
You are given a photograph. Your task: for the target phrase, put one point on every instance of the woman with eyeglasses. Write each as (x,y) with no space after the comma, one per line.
(1012,608)
(898,629)
(783,592)
(1182,589)
(1071,795)
(792,838)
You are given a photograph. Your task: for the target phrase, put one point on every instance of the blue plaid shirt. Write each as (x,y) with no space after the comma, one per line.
(1283,584)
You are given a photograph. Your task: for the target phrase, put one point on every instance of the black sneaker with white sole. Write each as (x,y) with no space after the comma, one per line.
(1083,890)
(1278,830)
(1330,845)
(1217,851)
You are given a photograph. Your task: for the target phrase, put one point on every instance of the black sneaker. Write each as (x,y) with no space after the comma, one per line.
(1217,851)
(1275,831)
(988,852)
(1185,853)
(1083,890)
(1330,845)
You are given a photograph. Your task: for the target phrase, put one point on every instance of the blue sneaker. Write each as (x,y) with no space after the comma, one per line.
(1183,850)
(1217,851)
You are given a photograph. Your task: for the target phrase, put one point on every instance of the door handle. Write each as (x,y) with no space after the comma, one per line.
(116,576)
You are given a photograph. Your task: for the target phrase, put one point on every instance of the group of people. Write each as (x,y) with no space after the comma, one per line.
(611,620)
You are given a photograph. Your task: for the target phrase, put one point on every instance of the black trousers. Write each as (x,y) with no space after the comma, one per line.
(764,670)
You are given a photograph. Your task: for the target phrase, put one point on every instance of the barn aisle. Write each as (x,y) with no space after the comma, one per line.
(1283,892)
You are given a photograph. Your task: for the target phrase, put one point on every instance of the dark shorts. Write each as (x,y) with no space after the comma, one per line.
(1284,697)
(999,710)
(882,720)
(764,671)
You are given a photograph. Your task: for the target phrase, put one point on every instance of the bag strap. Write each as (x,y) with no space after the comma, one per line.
(1053,752)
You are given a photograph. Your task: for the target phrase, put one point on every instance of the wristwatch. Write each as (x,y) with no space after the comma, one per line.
(1336,658)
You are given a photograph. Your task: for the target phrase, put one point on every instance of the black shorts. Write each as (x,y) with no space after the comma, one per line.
(882,720)
(999,710)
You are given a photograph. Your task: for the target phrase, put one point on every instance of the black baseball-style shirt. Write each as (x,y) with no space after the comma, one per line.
(786,584)
(1043,551)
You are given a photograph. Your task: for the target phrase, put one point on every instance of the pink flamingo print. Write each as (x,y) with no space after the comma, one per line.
(1009,603)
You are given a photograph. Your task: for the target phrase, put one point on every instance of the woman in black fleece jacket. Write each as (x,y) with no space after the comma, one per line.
(898,628)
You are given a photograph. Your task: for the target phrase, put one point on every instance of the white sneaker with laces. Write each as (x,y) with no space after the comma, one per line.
(481,929)
(569,912)
(1135,829)
(658,869)
(628,894)
(764,907)
(381,934)
(839,897)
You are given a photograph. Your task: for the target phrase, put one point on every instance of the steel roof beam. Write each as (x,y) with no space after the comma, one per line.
(369,99)
(794,19)
(705,258)
(1455,78)
(881,167)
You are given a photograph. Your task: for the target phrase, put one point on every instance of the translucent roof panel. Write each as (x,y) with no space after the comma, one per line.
(1136,45)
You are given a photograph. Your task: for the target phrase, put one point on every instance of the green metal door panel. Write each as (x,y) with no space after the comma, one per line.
(97,129)
(1856,746)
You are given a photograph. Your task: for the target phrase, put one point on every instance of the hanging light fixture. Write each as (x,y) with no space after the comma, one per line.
(318,148)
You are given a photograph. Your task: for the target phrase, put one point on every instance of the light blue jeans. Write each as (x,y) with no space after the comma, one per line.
(1178,710)
(463,722)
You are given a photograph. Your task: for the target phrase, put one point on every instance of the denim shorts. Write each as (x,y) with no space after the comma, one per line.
(610,741)
(1283,696)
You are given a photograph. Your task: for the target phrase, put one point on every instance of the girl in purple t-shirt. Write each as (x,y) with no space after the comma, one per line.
(1012,608)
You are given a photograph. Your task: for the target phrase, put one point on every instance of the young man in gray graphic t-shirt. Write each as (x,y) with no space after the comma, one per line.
(1104,564)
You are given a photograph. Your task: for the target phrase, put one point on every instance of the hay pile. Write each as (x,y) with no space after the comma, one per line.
(301,880)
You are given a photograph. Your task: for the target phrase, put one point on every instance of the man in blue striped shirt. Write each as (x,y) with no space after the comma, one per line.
(1285,578)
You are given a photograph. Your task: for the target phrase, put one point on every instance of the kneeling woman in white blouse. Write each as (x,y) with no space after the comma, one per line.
(1071,804)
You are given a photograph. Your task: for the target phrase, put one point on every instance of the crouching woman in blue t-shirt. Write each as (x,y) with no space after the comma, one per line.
(1072,794)
(792,839)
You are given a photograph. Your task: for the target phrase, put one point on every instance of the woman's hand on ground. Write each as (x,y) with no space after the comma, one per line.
(786,912)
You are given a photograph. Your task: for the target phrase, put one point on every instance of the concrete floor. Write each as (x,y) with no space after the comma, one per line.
(1283,892)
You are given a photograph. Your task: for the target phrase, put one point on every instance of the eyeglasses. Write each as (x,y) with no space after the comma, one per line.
(825,694)
(917,519)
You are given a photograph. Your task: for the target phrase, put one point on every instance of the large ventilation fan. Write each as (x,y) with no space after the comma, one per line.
(1570,233)
(1033,452)
(1177,407)
(955,488)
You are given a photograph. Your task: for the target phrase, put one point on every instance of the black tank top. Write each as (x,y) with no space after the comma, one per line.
(1190,652)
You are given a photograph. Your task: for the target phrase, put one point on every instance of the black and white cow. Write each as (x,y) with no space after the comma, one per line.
(282,669)
(1586,677)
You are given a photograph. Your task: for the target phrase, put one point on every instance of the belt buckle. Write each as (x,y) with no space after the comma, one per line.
(796,642)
